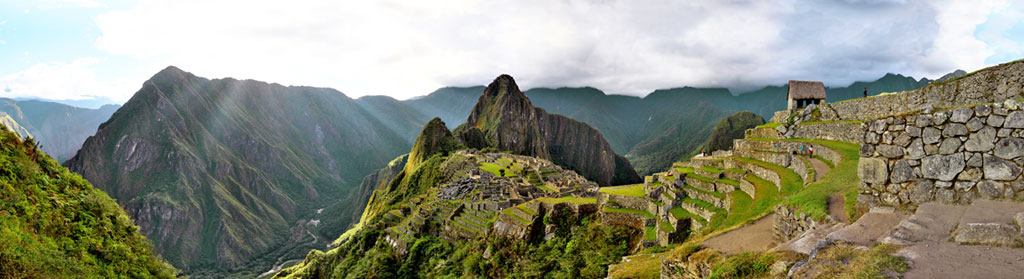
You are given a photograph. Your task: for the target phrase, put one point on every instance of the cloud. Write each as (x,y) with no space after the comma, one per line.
(65,81)
(409,48)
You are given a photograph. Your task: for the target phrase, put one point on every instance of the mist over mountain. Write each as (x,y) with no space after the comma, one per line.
(60,128)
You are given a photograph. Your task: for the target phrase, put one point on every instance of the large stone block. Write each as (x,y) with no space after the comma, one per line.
(922,191)
(873,170)
(1014,120)
(943,167)
(902,172)
(999,169)
(991,189)
(986,233)
(954,129)
(961,115)
(1009,148)
(982,140)
(889,151)
(931,135)
(949,146)
(915,150)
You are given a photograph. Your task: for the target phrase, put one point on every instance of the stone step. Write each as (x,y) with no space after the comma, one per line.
(700,182)
(709,172)
(698,161)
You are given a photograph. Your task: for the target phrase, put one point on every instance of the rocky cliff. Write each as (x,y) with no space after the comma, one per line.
(504,118)
(223,174)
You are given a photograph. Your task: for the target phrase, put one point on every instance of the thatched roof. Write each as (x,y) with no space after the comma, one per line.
(806,90)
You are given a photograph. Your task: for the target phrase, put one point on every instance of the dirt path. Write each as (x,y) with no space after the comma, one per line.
(820,168)
(754,237)
(837,208)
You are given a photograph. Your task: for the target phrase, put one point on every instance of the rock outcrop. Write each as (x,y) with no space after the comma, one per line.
(504,118)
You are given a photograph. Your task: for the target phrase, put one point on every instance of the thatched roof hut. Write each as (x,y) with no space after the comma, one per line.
(803,93)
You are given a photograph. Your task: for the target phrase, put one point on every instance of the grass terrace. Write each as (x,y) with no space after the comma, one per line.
(651,233)
(769,125)
(791,182)
(568,199)
(842,179)
(633,190)
(496,169)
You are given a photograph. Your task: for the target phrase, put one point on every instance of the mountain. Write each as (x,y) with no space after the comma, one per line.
(56,225)
(731,128)
(93,102)
(60,129)
(230,176)
(505,119)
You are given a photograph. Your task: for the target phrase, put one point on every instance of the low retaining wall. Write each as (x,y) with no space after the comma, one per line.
(789,223)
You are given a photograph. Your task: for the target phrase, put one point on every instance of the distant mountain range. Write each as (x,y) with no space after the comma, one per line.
(60,129)
(228,177)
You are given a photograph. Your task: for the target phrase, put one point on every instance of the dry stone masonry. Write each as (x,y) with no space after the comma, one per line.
(950,156)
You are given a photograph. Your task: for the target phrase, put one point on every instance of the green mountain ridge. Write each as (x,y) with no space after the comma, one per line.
(56,225)
(60,129)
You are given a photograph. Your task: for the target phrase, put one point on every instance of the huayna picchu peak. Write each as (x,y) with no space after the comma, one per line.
(505,119)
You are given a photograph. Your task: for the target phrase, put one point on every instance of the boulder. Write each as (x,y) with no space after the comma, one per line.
(902,172)
(915,150)
(964,186)
(922,191)
(873,170)
(986,233)
(954,129)
(991,189)
(999,169)
(982,140)
(1014,120)
(949,146)
(982,110)
(945,195)
(1019,219)
(961,115)
(974,160)
(995,121)
(942,167)
(889,151)
(913,131)
(1009,148)
(970,174)
(867,150)
(975,124)
(931,135)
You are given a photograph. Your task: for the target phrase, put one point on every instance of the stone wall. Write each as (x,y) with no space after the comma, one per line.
(952,156)
(630,202)
(787,160)
(756,170)
(789,223)
(789,147)
(988,85)
(830,130)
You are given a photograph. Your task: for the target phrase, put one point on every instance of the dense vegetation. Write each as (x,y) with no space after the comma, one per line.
(731,128)
(56,225)
(583,250)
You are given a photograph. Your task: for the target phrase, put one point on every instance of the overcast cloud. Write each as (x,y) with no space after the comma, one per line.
(409,48)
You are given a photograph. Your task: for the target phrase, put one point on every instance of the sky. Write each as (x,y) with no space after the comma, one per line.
(85,49)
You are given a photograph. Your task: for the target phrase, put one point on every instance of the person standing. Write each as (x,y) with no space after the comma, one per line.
(811,153)
(865,92)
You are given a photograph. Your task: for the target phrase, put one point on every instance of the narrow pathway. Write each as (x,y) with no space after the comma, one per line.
(820,168)
(837,208)
(749,238)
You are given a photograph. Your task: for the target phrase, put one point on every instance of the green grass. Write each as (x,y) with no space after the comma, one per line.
(841,179)
(729,181)
(629,211)
(679,213)
(703,204)
(634,190)
(699,177)
(847,261)
(791,182)
(496,169)
(715,194)
(651,233)
(769,125)
(545,188)
(712,169)
(568,199)
(666,226)
(639,266)
(735,170)
(508,212)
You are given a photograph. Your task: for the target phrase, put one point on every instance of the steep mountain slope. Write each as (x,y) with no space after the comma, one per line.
(505,119)
(225,175)
(60,129)
(731,128)
(56,225)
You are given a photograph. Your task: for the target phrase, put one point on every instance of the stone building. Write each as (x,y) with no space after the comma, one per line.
(804,93)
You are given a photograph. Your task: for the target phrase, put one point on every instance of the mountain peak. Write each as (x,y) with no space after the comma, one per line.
(504,85)
(171,73)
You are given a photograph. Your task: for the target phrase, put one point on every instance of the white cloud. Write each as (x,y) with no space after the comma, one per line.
(408,48)
(66,81)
